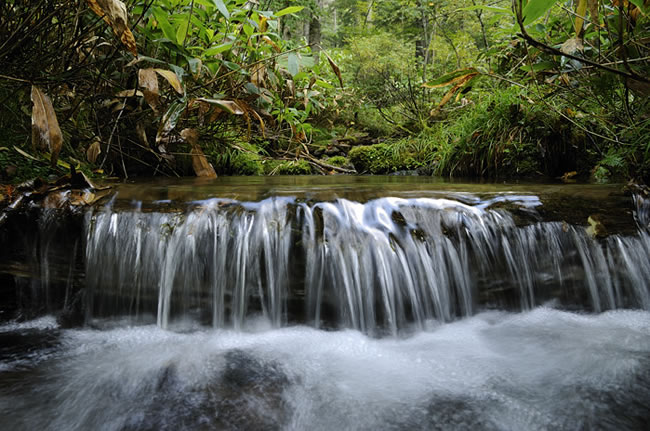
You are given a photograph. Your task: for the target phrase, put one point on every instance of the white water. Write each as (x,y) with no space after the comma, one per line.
(539,370)
(378,266)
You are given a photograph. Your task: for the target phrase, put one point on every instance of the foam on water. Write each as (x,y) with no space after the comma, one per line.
(543,369)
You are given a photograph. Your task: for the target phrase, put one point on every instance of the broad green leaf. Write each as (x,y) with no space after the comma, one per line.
(288,10)
(323,84)
(181,32)
(217,49)
(293,66)
(536,8)
(163,24)
(222,8)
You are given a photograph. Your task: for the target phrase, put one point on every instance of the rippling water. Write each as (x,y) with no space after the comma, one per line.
(542,369)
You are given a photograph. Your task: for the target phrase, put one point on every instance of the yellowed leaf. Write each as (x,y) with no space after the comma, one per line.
(46,133)
(200,163)
(115,15)
(258,73)
(148,81)
(269,41)
(447,97)
(93,151)
(581,11)
(172,78)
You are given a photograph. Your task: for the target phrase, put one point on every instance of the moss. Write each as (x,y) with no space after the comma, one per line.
(16,168)
(339,161)
(278,167)
(383,159)
(247,164)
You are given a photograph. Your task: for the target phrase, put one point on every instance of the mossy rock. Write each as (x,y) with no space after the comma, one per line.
(381,159)
(278,167)
(338,161)
(247,164)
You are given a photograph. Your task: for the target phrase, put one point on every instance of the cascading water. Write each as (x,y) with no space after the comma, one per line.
(381,265)
(445,310)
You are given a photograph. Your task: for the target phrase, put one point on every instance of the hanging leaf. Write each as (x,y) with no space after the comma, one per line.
(335,68)
(200,164)
(288,10)
(293,66)
(93,151)
(148,81)
(222,8)
(581,11)
(536,8)
(172,78)
(46,134)
(114,13)
(181,32)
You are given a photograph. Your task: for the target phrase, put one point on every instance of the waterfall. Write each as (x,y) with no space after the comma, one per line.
(379,266)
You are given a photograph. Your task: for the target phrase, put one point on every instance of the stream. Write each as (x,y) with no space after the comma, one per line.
(328,303)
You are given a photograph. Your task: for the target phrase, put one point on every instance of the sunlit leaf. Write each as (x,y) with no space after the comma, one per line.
(46,133)
(288,10)
(535,9)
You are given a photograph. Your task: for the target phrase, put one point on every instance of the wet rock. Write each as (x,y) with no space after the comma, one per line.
(241,392)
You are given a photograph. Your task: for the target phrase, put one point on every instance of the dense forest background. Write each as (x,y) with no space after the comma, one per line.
(467,88)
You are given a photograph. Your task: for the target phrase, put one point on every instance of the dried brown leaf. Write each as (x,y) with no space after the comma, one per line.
(200,163)
(335,68)
(93,151)
(115,15)
(46,133)
(148,81)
